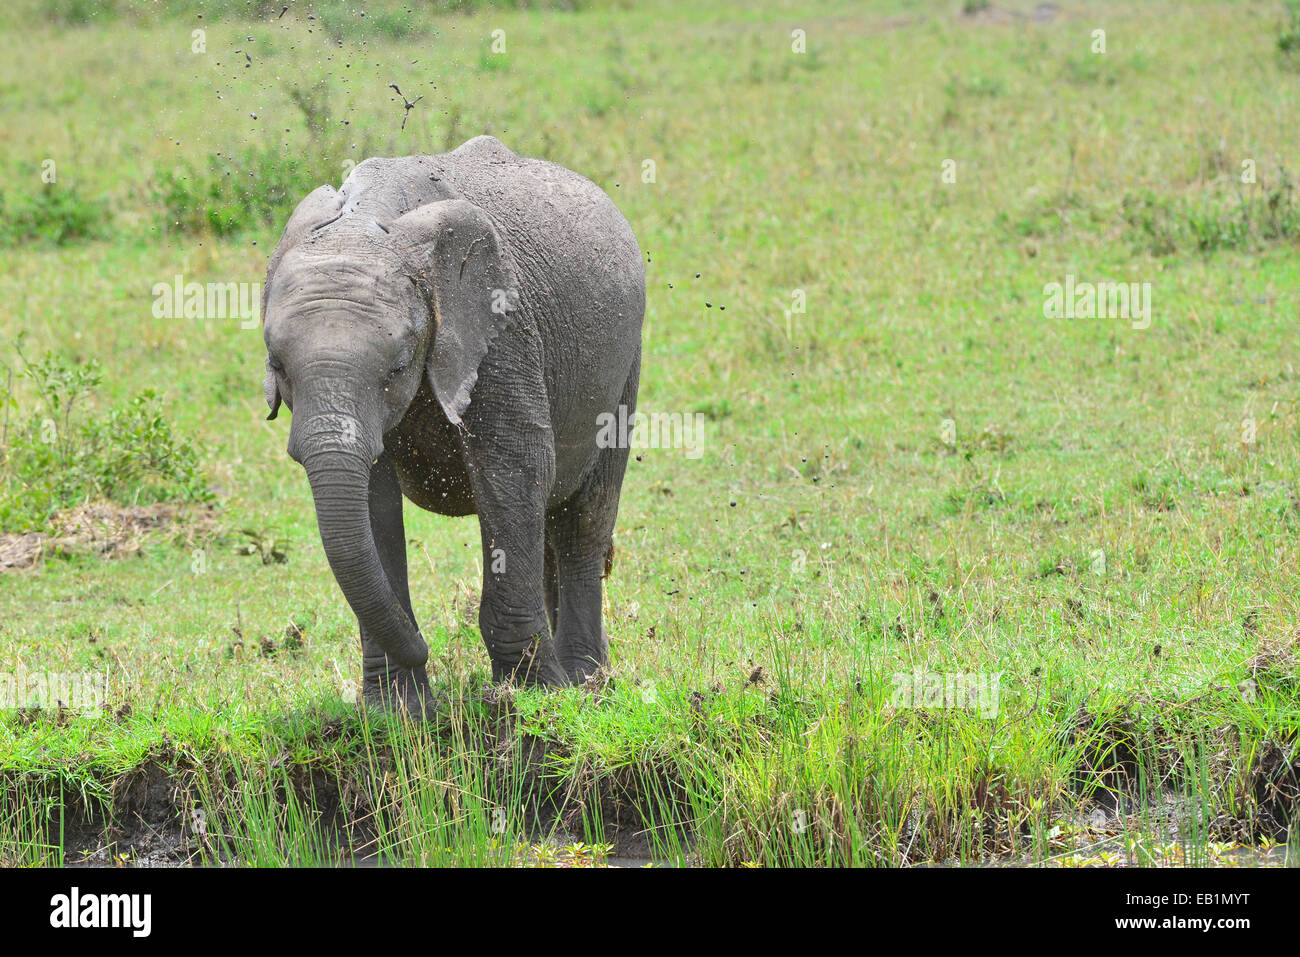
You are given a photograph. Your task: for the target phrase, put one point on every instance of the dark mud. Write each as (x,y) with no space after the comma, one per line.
(151,824)
(1126,784)
(156,814)
(106,530)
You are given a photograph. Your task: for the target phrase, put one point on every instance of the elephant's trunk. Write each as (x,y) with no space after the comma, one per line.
(339,473)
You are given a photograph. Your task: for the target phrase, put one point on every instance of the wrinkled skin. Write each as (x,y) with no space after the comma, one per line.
(449,329)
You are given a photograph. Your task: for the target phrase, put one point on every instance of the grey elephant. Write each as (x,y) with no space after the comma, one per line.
(453,329)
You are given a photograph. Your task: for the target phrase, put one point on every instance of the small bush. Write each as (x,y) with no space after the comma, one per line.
(341,19)
(1256,217)
(262,184)
(54,214)
(1288,34)
(1152,222)
(1088,69)
(353,25)
(59,457)
(78,12)
(235,192)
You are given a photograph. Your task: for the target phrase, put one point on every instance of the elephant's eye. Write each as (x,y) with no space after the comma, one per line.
(403,363)
(275,363)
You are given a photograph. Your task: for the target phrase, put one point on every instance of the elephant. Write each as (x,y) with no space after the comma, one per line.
(450,329)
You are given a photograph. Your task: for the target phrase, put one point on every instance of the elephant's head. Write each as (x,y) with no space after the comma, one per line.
(356,314)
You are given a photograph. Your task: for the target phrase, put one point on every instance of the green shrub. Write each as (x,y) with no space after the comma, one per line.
(54,214)
(58,456)
(341,19)
(1288,35)
(344,23)
(235,192)
(261,185)
(1259,215)
(78,12)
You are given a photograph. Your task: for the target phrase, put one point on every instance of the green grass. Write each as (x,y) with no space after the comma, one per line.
(1091,525)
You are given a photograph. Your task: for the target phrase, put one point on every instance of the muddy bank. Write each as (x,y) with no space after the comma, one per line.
(361,789)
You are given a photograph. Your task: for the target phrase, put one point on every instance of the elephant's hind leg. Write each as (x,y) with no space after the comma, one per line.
(582,531)
(510,489)
(582,541)
(509,454)
(513,614)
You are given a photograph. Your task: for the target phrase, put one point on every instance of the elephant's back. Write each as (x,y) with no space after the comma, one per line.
(550,216)
(583,281)
(560,229)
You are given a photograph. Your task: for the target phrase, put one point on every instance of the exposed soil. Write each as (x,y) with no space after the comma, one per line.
(111,531)
(151,823)
(1041,13)
(153,815)
(1125,783)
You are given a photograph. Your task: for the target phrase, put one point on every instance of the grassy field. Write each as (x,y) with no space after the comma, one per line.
(908,467)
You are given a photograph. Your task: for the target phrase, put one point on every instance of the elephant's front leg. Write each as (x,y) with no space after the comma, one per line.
(384,682)
(510,501)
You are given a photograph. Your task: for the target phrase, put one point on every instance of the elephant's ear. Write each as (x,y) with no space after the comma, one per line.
(319,208)
(272,390)
(455,256)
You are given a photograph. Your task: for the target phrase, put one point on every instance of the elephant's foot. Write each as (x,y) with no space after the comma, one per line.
(583,659)
(529,674)
(580,672)
(536,664)
(403,690)
(520,644)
